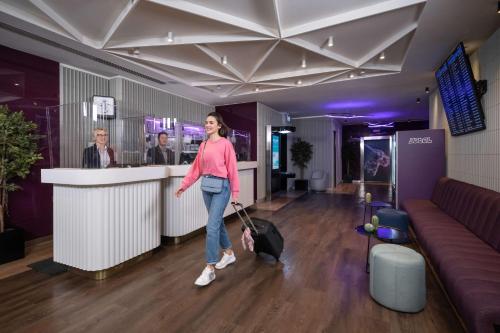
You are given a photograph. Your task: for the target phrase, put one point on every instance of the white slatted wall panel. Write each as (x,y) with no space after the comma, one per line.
(75,131)
(475,158)
(319,133)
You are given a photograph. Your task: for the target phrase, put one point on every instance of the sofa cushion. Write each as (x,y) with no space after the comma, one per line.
(474,288)
(475,207)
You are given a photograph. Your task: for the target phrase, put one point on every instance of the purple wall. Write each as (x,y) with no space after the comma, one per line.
(30,83)
(243,117)
(420,162)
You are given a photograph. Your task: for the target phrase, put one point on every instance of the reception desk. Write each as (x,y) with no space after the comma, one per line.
(104,217)
(188,213)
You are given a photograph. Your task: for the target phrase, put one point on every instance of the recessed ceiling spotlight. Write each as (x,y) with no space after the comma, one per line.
(351,75)
(303,63)
(136,51)
(170,37)
(427,90)
(362,72)
(330,41)
(298,82)
(418,100)
(16,84)
(223,60)
(256,89)
(381,56)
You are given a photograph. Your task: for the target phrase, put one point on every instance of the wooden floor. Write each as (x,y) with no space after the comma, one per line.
(37,250)
(319,286)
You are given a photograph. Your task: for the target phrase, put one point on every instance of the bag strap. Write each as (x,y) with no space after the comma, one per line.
(203,153)
(238,204)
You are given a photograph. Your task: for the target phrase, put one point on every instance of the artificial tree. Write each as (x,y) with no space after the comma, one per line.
(18,152)
(301,155)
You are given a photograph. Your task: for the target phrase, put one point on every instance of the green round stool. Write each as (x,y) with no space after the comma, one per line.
(393,218)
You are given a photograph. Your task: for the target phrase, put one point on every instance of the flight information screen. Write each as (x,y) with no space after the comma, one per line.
(459,95)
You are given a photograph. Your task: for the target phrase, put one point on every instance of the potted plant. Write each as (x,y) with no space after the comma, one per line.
(18,152)
(301,155)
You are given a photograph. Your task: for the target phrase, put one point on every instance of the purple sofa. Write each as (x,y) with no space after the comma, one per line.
(459,231)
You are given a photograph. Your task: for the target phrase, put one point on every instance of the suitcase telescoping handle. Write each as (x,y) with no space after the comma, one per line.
(235,206)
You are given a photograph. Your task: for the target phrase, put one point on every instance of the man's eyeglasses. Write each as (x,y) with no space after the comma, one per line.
(101,135)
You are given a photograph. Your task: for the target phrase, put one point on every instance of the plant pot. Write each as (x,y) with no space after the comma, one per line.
(11,245)
(301,185)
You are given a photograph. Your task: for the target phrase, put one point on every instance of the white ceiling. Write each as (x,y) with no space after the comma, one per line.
(265,43)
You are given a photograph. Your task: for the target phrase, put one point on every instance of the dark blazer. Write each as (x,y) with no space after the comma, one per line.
(92,160)
(155,156)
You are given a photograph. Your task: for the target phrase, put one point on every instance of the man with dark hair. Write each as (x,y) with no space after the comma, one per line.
(161,154)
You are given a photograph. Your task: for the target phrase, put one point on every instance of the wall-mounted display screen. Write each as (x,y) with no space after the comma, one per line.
(276,151)
(459,94)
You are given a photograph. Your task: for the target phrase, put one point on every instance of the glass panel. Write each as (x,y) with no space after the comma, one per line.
(241,143)
(87,135)
(191,136)
(160,141)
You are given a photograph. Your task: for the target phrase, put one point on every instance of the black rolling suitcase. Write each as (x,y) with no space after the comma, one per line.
(266,236)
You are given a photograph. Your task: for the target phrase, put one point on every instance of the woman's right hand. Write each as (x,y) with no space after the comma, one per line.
(179,192)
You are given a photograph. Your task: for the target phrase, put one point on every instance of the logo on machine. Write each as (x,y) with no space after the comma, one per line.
(423,140)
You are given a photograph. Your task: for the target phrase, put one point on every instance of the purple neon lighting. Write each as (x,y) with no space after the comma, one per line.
(349,104)
(388,125)
(195,129)
(344,116)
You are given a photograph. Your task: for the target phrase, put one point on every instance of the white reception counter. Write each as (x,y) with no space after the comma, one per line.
(104,217)
(188,213)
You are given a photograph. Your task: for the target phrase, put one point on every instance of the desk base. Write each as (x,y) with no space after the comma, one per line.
(106,273)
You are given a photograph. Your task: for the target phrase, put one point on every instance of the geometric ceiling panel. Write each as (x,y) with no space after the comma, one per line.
(394,55)
(360,37)
(358,74)
(31,13)
(299,12)
(78,15)
(188,57)
(258,12)
(292,60)
(149,24)
(192,77)
(252,50)
(239,47)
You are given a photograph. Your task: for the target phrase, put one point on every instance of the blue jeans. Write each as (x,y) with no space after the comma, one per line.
(216,230)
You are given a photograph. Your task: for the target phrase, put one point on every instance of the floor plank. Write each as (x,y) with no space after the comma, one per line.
(319,286)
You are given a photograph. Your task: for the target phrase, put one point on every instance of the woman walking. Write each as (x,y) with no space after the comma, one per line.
(216,164)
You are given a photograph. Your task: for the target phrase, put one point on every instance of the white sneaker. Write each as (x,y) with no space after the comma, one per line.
(226,260)
(207,276)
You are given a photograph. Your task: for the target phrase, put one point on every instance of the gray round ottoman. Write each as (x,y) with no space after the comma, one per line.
(397,277)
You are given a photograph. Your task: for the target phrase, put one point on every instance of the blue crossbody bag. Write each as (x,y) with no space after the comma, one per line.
(210,183)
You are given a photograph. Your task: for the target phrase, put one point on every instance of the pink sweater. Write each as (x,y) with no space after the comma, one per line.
(219,159)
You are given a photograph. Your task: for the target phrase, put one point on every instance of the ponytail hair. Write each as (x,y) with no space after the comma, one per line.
(224,129)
